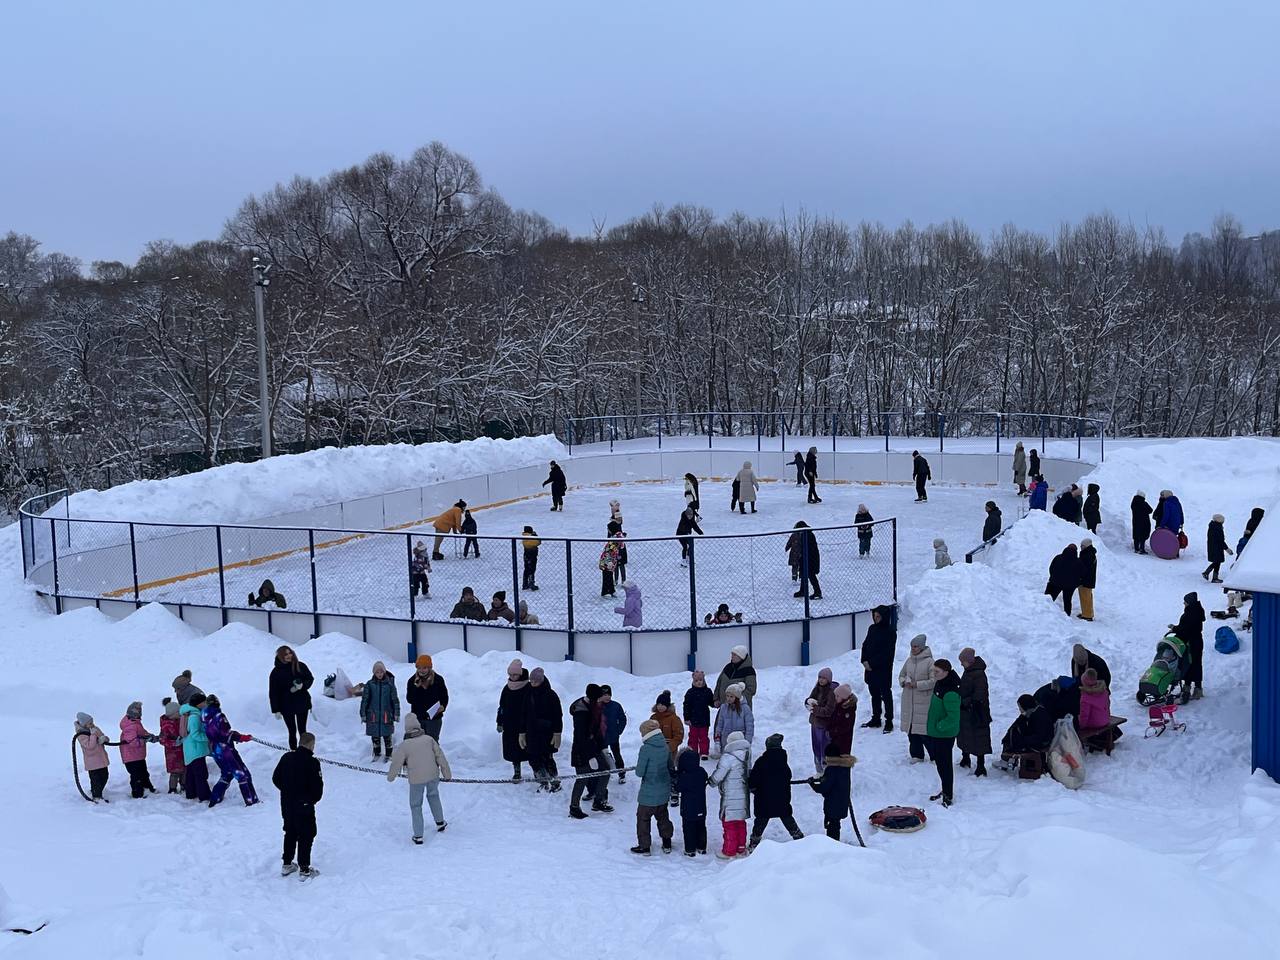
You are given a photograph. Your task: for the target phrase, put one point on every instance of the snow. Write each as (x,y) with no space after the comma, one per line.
(1258,567)
(1171,840)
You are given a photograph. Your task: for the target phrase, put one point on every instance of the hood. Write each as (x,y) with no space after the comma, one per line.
(655,735)
(924,652)
(688,761)
(412,726)
(739,748)
(1093,488)
(977,664)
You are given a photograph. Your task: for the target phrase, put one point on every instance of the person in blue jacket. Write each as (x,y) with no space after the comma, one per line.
(615,721)
(1039,499)
(1168,513)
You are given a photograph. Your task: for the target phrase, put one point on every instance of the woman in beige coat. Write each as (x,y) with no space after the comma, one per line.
(747,487)
(427,767)
(916,679)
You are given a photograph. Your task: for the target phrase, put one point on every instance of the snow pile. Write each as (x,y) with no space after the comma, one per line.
(241,492)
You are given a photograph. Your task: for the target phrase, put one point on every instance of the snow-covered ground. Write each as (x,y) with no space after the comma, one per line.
(1170,845)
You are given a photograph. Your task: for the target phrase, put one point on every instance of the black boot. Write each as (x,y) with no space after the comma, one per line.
(964,761)
(873,723)
(576,813)
(888,726)
(981,769)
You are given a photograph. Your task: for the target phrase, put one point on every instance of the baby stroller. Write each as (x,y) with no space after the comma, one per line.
(1162,681)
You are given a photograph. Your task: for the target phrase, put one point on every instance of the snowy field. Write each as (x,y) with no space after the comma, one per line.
(1170,845)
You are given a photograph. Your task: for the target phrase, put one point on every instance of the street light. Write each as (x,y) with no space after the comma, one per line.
(260,284)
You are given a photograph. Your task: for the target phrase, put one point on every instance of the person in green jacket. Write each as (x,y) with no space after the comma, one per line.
(195,747)
(943,725)
(654,772)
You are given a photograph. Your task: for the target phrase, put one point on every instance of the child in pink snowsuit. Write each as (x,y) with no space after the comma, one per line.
(93,746)
(170,736)
(133,750)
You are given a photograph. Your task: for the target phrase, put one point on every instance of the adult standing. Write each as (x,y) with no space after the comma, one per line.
(184,689)
(1035,462)
(921,474)
(1093,509)
(687,525)
(1255,518)
(1190,629)
(449,522)
(513,710)
(811,474)
(993,524)
(1067,506)
(747,487)
(1020,468)
(916,679)
(974,735)
(289,689)
(803,555)
(556,480)
(544,723)
(380,708)
(427,696)
(1082,659)
(944,726)
(821,704)
(1170,512)
(1064,576)
(427,765)
(878,649)
(588,753)
(738,670)
(297,777)
(1140,512)
(1216,548)
(1088,577)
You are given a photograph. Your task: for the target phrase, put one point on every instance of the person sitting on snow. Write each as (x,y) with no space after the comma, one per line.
(1030,733)
(722,616)
(941,558)
(267,594)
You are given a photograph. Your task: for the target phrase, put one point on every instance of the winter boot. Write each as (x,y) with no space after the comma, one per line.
(622,776)
(576,813)
(1197,691)
(640,851)
(377,749)
(754,842)
(873,723)
(964,761)
(600,806)
(981,769)
(666,846)
(288,868)
(307,873)
(516,775)
(888,726)
(441,825)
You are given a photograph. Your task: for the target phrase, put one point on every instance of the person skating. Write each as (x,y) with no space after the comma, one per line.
(811,474)
(1082,659)
(1088,578)
(943,726)
(588,753)
(1190,629)
(615,722)
(556,480)
(134,738)
(616,532)
(632,608)
(730,775)
(419,570)
(878,651)
(734,716)
(916,679)
(468,607)
(1216,548)
(653,769)
(615,512)
(1034,462)
(93,751)
(836,788)
(843,718)
(974,736)
(222,741)
(1064,577)
(803,555)
(449,522)
(499,609)
(289,690)
(691,781)
(672,729)
(770,783)
(1092,511)
(427,765)
(692,498)
(698,701)
(1020,468)
(688,524)
(921,474)
(797,461)
(529,573)
(821,704)
(427,696)
(544,723)
(171,739)
(941,556)
(748,486)
(469,529)
(863,519)
(993,523)
(1140,511)
(297,777)
(380,709)
(513,709)
(195,749)
(739,670)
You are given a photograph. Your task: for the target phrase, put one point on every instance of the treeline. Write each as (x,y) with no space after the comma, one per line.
(408,300)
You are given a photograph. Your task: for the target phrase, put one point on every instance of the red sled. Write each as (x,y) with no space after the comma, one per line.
(1164,544)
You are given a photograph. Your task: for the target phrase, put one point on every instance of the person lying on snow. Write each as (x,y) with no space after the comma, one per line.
(722,616)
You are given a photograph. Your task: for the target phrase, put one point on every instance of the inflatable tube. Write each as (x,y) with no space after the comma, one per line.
(899,819)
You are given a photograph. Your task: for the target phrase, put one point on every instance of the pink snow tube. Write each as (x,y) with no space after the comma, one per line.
(1164,544)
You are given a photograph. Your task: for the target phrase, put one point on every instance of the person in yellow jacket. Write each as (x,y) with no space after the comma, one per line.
(448,522)
(530,542)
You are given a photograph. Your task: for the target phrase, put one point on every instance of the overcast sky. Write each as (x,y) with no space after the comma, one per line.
(125,121)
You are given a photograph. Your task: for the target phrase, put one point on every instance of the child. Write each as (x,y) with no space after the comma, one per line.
(691,782)
(380,708)
(419,567)
(615,721)
(93,747)
(195,747)
(530,544)
(653,768)
(469,528)
(834,787)
(770,781)
(672,732)
(223,740)
(1038,498)
(734,716)
(863,519)
(133,750)
(697,714)
(722,616)
(735,491)
(1095,707)
(730,775)
(171,737)
(941,558)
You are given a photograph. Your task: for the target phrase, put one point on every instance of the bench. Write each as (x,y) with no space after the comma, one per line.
(1102,738)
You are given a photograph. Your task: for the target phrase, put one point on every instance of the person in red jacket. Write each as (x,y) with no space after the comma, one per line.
(170,736)
(843,719)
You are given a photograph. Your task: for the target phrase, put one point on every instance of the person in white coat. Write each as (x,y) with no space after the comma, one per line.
(427,766)
(747,487)
(731,776)
(916,680)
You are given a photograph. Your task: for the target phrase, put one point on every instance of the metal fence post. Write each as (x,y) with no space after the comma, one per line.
(894,521)
(568,433)
(942,430)
(53,539)
(835,429)
(759,430)
(133,560)
(693,609)
(783,431)
(711,427)
(315,594)
(23,527)
(1044,436)
(998,427)
(659,431)
(1079,439)
(884,423)
(1102,435)
(515,589)
(222,580)
(408,551)
(804,592)
(568,579)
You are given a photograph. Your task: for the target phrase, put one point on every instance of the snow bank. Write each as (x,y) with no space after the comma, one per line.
(241,492)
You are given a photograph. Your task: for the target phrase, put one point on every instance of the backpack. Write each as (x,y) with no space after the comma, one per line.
(1225,640)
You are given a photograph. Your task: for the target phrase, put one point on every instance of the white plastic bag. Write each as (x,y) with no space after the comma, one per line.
(1066,755)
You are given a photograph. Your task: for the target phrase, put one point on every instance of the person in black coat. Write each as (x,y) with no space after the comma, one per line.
(835,788)
(1190,629)
(297,777)
(513,709)
(556,480)
(992,526)
(691,782)
(798,462)
(698,701)
(1034,462)
(1031,732)
(469,528)
(920,473)
(811,474)
(289,690)
(878,651)
(1060,697)
(588,753)
(1067,506)
(1141,513)
(1064,576)
(1093,509)
(1217,549)
(543,725)
(803,555)
(424,692)
(687,525)
(770,781)
(1088,577)
(1255,518)
(1083,659)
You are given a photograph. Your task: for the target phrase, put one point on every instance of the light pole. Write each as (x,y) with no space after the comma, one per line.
(260,283)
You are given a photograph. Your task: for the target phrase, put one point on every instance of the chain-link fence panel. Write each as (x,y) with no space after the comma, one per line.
(175,564)
(253,555)
(93,558)
(362,573)
(855,569)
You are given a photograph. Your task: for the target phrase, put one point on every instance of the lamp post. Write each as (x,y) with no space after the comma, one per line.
(260,283)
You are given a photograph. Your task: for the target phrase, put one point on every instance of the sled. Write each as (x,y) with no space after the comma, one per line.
(1164,544)
(1225,640)
(899,819)
(1162,717)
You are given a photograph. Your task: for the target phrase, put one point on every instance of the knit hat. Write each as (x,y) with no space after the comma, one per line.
(1086,542)
(423,662)
(736,735)
(524,608)
(735,690)
(699,675)
(843,692)
(1079,654)
(1219,518)
(773,741)
(1026,702)
(181,680)
(537,675)
(213,701)
(664,698)
(862,508)
(741,651)
(134,711)
(1142,495)
(84,719)
(825,674)
(648,727)
(593,691)
(1166,493)
(500,595)
(515,666)
(938,542)
(919,640)
(171,709)
(419,547)
(968,653)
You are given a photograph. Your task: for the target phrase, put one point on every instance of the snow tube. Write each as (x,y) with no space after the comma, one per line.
(899,819)
(1225,640)
(1164,544)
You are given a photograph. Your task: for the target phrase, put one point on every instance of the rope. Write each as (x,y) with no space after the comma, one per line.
(75,766)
